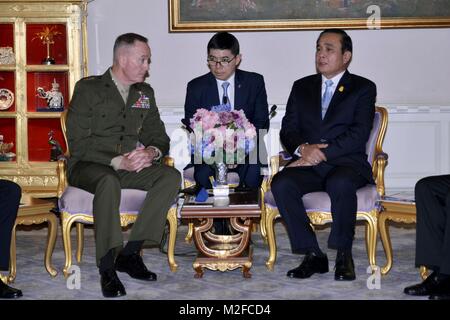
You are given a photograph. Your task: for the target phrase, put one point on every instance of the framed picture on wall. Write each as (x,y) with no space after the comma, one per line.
(243,15)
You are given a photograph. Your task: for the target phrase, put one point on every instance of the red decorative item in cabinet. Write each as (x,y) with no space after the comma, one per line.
(7,88)
(49,89)
(7,136)
(39,133)
(46,44)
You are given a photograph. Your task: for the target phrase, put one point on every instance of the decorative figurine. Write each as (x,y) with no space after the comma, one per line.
(7,55)
(55,99)
(5,150)
(6,99)
(47,36)
(56,151)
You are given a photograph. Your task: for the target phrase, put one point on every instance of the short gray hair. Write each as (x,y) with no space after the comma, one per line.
(127,39)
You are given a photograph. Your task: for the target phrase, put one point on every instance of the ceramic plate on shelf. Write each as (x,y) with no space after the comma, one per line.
(6,99)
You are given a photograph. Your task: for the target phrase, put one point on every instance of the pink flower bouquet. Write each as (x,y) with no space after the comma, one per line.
(221,136)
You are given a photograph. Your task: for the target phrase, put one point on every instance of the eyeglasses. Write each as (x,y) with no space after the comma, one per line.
(223,62)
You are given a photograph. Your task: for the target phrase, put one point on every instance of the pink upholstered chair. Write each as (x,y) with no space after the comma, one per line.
(75,206)
(317,204)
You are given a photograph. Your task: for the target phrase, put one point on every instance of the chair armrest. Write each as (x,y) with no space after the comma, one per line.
(277,162)
(62,177)
(380,163)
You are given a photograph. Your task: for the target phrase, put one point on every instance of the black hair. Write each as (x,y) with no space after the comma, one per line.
(224,41)
(346,41)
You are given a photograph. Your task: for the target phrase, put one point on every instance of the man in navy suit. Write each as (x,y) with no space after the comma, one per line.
(241,90)
(327,124)
(245,91)
(10,194)
(432,196)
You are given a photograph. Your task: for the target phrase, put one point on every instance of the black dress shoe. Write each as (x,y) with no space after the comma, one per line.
(311,264)
(111,285)
(425,288)
(134,266)
(344,269)
(7,292)
(442,290)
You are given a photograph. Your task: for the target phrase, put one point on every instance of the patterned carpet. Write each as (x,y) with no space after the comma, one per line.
(36,283)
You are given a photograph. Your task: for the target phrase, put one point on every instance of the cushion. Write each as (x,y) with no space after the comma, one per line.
(75,200)
(320,201)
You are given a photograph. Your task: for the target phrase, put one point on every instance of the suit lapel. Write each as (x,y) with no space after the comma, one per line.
(317,98)
(342,90)
(240,92)
(212,93)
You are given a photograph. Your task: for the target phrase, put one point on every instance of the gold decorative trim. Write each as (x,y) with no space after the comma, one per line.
(40,177)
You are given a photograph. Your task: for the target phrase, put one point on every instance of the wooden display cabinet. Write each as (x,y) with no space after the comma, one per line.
(43,52)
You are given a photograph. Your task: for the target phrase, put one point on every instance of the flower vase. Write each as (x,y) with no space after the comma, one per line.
(221,174)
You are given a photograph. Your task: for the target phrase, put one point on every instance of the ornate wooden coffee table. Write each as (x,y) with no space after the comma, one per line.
(35,211)
(223,252)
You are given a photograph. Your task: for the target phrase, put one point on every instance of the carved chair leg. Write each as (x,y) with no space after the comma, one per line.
(12,260)
(386,242)
(173,226)
(66,225)
(52,230)
(80,241)
(371,241)
(270,226)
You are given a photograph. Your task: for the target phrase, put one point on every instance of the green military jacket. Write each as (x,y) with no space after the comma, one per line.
(100,126)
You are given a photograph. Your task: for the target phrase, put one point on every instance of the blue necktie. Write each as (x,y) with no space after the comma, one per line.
(225,99)
(326,98)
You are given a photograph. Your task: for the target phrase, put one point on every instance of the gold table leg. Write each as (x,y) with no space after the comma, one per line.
(223,252)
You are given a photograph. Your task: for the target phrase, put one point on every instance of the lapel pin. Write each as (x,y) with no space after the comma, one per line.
(341,89)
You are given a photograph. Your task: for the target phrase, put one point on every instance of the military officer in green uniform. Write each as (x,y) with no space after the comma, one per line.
(116,140)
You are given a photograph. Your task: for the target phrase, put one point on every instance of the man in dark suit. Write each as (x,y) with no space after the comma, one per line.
(327,124)
(10,194)
(241,90)
(116,141)
(432,196)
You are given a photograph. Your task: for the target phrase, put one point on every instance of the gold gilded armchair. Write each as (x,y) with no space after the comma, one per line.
(76,207)
(317,204)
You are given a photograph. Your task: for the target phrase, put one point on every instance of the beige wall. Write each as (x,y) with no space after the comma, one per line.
(410,66)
